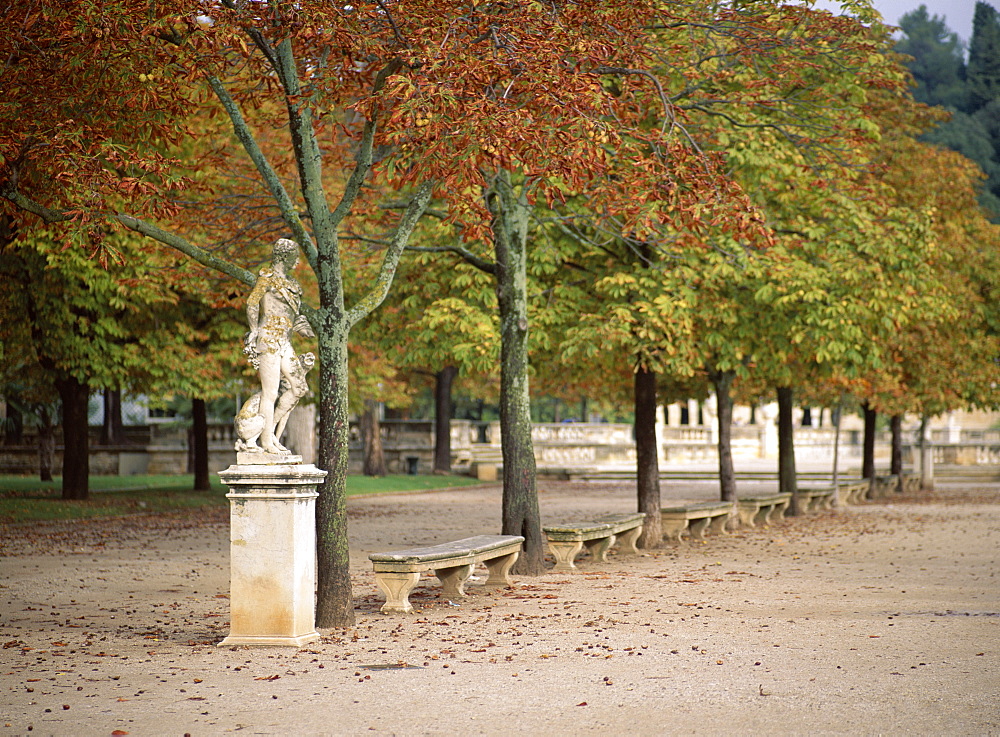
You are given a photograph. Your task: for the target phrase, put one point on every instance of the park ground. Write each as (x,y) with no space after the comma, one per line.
(877,619)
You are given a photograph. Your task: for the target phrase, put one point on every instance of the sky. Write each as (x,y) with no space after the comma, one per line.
(957,13)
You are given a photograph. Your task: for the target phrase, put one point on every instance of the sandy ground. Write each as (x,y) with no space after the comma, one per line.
(882,618)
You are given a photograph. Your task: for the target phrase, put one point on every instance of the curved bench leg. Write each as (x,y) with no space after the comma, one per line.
(718,525)
(453,579)
(627,539)
(598,547)
(564,552)
(697,528)
(747,515)
(397,588)
(673,529)
(499,570)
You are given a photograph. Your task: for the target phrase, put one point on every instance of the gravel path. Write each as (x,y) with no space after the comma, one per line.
(876,619)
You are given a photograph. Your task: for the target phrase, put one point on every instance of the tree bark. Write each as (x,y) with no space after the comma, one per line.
(723,383)
(926,455)
(76,442)
(46,445)
(786,448)
(14,426)
(647,468)
(199,444)
(896,453)
(896,458)
(334,603)
(443,411)
(868,454)
(835,415)
(112,430)
(520,515)
(371,438)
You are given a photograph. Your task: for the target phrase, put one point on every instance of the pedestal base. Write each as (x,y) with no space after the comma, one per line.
(260,458)
(272,554)
(265,640)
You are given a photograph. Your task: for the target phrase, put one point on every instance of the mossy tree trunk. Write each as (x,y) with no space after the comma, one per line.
(520,515)
(334,603)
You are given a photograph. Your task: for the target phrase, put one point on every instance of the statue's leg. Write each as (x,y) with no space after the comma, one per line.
(270,380)
(291,372)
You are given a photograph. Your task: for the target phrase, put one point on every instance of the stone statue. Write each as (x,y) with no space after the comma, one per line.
(250,423)
(273,315)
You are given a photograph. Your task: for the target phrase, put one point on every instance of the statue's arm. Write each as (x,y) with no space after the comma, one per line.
(302,327)
(253,303)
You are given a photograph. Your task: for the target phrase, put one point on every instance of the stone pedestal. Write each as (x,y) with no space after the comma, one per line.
(273,553)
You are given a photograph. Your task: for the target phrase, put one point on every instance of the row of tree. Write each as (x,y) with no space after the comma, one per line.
(644,198)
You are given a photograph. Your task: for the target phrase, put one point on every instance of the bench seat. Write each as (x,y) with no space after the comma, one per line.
(762,509)
(566,541)
(398,572)
(695,518)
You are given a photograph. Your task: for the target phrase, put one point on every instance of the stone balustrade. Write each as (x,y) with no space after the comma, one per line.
(558,446)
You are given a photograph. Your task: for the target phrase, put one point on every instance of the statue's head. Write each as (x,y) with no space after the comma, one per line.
(285,252)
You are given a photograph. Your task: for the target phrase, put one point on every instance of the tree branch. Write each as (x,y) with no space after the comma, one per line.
(307,153)
(271,179)
(196,253)
(363,161)
(391,259)
(480,263)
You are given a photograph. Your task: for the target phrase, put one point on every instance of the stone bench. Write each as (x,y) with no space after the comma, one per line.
(883,486)
(813,499)
(566,541)
(763,509)
(695,518)
(852,492)
(398,572)
(909,482)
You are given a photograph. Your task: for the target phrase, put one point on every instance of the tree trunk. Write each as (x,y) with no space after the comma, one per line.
(112,430)
(13,428)
(723,383)
(647,468)
(443,411)
(926,455)
(371,438)
(334,604)
(199,444)
(76,443)
(786,448)
(520,515)
(835,414)
(896,459)
(868,456)
(46,445)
